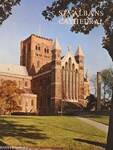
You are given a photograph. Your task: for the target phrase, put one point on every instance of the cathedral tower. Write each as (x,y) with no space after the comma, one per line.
(35,53)
(79,56)
(56,90)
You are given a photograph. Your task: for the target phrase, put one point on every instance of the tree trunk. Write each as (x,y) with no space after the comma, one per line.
(104,93)
(110,130)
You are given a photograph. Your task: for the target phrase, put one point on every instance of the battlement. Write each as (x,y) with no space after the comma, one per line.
(37,36)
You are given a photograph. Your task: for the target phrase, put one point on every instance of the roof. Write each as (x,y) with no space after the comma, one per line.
(41,37)
(13,69)
(56,45)
(79,51)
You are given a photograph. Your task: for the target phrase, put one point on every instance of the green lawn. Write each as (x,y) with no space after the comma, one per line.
(99,118)
(66,132)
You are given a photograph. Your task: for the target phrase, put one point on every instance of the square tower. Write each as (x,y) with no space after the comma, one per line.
(35,53)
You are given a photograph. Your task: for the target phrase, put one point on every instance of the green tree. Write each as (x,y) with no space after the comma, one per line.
(9,97)
(92,102)
(71,8)
(6,8)
(107,82)
(94,84)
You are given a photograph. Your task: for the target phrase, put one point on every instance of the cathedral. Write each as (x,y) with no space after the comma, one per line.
(46,77)
(55,78)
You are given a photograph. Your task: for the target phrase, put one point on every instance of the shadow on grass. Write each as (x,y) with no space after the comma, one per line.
(91,142)
(19,131)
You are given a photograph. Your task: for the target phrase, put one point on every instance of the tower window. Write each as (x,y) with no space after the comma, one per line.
(26,83)
(38,63)
(37,47)
(45,50)
(32,102)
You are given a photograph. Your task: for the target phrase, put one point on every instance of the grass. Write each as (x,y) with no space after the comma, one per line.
(102,119)
(51,131)
(99,118)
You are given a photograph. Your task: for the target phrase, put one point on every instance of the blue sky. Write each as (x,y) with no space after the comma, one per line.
(27,19)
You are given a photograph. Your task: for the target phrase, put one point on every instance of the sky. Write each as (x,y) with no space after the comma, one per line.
(27,19)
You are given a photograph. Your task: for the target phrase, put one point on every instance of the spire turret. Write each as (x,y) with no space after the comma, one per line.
(79,51)
(56,44)
(69,48)
(87,75)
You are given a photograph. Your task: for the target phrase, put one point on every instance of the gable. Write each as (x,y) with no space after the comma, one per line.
(66,59)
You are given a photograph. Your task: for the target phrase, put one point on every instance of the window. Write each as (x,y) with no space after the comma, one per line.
(37,47)
(73,66)
(26,83)
(32,102)
(38,63)
(45,50)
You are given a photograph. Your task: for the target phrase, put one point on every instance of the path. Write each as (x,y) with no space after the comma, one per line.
(98,125)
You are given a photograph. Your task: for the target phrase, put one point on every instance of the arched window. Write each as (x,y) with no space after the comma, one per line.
(26,83)
(66,65)
(45,50)
(38,63)
(73,66)
(76,71)
(69,63)
(32,102)
(37,47)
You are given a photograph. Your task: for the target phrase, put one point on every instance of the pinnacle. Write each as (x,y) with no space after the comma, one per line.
(79,51)
(56,44)
(69,48)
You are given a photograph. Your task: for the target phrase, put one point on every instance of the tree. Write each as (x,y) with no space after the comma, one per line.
(91,12)
(107,82)
(6,8)
(92,102)
(9,97)
(94,84)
